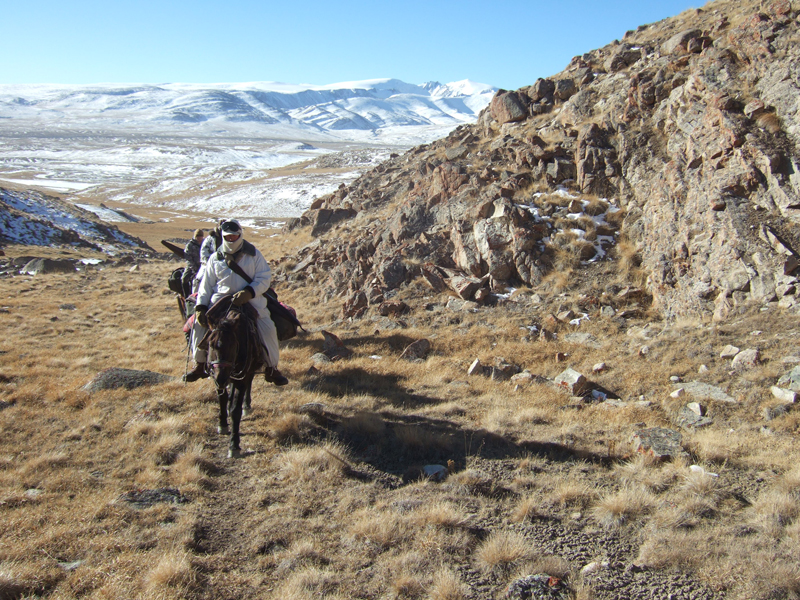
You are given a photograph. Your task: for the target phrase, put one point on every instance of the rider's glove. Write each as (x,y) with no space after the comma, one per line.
(200,315)
(243,297)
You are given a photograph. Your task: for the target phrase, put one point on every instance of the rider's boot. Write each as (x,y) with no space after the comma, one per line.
(199,372)
(272,375)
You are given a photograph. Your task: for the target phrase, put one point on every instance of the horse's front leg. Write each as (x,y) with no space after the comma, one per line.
(222,397)
(235,412)
(247,409)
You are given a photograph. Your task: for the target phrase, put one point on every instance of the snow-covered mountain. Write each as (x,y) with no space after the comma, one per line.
(260,108)
(218,148)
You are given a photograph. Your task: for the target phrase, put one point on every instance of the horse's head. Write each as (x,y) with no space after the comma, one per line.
(223,349)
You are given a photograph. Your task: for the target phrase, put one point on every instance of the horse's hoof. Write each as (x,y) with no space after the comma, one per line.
(234,453)
(247,411)
(223,430)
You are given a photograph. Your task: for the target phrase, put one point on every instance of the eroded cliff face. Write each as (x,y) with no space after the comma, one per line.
(683,138)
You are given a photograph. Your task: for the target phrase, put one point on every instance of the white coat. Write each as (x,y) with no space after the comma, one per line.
(219,280)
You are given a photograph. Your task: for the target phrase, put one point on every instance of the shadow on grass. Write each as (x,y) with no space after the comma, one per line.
(397,342)
(401,445)
(354,381)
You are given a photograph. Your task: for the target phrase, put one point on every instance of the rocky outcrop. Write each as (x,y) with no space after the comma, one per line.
(684,138)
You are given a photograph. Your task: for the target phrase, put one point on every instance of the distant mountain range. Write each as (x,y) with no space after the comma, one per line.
(339,109)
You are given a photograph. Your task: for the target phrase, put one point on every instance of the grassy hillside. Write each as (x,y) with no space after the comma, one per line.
(330,500)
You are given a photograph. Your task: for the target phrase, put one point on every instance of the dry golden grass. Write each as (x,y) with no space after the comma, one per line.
(447,586)
(620,507)
(503,551)
(320,507)
(769,121)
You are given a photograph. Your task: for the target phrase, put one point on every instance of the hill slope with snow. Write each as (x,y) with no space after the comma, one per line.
(262,108)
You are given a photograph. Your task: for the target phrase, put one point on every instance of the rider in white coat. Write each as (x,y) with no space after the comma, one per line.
(220,280)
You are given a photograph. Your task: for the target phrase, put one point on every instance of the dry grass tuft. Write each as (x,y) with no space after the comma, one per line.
(774,510)
(628,261)
(309,583)
(289,428)
(167,448)
(407,586)
(769,121)
(557,280)
(439,514)
(617,508)
(569,493)
(447,586)
(595,206)
(175,571)
(382,530)
(646,470)
(309,462)
(503,550)
(525,509)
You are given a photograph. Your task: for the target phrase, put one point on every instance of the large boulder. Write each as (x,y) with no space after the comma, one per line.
(508,107)
(48,265)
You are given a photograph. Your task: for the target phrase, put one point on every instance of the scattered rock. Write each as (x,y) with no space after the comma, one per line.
(454,304)
(593,567)
(572,381)
(658,442)
(333,347)
(140,499)
(417,350)
(746,359)
(70,566)
(435,472)
(774,412)
(537,587)
(393,308)
(476,368)
(320,358)
(783,395)
(705,391)
(689,418)
(697,408)
(584,339)
(67,307)
(565,316)
(599,367)
(791,380)
(48,265)
(129,379)
(312,408)
(679,393)
(729,352)
(522,378)
(355,306)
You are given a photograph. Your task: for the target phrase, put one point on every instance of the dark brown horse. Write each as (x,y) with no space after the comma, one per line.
(234,356)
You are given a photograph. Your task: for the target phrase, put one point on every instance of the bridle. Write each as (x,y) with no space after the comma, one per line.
(236,375)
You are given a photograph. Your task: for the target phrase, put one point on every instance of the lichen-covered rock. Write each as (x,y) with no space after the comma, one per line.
(129,379)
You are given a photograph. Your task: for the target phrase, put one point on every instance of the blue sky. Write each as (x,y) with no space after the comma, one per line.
(507,43)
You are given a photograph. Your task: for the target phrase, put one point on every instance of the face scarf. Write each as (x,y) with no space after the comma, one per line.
(228,228)
(232,247)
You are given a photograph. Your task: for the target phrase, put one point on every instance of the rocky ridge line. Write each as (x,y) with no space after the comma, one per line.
(682,138)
